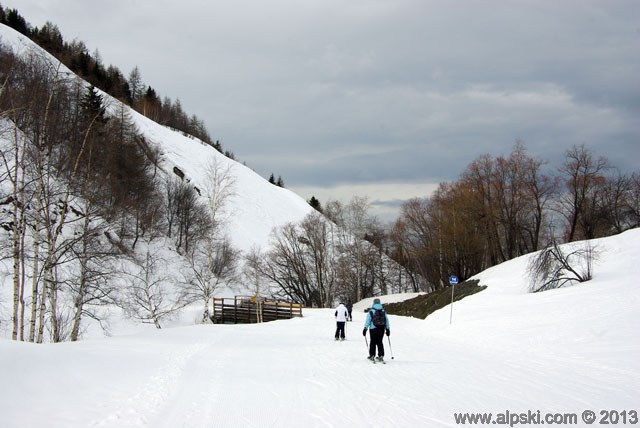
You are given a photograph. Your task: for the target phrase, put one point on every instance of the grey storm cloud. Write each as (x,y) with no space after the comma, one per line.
(329,92)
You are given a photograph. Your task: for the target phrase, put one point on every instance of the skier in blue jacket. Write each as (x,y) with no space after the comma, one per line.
(378,324)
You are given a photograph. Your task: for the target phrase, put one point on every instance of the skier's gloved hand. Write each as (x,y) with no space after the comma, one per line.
(364,332)
(388,332)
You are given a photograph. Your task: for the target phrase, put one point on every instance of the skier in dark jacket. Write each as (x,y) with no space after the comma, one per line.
(377,326)
(350,309)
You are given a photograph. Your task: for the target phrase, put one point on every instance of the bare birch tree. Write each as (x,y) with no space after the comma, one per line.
(151,296)
(92,287)
(212,260)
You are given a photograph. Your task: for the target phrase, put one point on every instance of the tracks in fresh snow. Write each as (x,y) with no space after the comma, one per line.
(163,392)
(292,373)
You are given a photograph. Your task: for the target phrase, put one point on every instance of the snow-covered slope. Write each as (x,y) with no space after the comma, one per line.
(560,352)
(604,305)
(255,207)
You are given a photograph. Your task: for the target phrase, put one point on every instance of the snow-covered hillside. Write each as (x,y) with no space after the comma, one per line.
(255,207)
(561,352)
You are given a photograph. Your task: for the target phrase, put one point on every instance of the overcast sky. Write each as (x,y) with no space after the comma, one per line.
(379,98)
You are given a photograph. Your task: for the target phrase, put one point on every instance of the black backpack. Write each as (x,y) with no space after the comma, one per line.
(378,318)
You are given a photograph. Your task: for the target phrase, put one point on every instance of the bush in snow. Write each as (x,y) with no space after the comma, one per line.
(558,265)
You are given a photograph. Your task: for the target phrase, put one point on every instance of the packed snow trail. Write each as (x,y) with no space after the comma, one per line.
(292,373)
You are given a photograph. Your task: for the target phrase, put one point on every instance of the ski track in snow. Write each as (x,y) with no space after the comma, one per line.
(292,373)
(132,408)
(193,397)
(200,385)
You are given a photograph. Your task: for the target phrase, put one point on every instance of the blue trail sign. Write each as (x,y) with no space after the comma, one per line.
(453,280)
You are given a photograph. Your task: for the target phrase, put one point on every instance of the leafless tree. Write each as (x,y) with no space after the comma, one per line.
(444,234)
(220,188)
(92,287)
(188,218)
(318,252)
(212,262)
(617,203)
(400,253)
(37,95)
(556,265)
(251,273)
(14,173)
(301,261)
(542,189)
(287,268)
(150,296)
(212,258)
(353,221)
(584,179)
(632,206)
(511,198)
(413,236)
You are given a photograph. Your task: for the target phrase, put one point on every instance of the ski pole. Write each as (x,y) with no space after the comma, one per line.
(390,350)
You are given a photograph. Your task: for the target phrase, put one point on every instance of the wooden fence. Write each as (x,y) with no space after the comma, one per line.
(242,309)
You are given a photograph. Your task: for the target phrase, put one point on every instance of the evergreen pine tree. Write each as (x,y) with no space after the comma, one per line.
(135,85)
(315,204)
(93,105)
(14,20)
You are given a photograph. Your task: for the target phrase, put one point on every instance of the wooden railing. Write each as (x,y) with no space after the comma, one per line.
(242,309)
